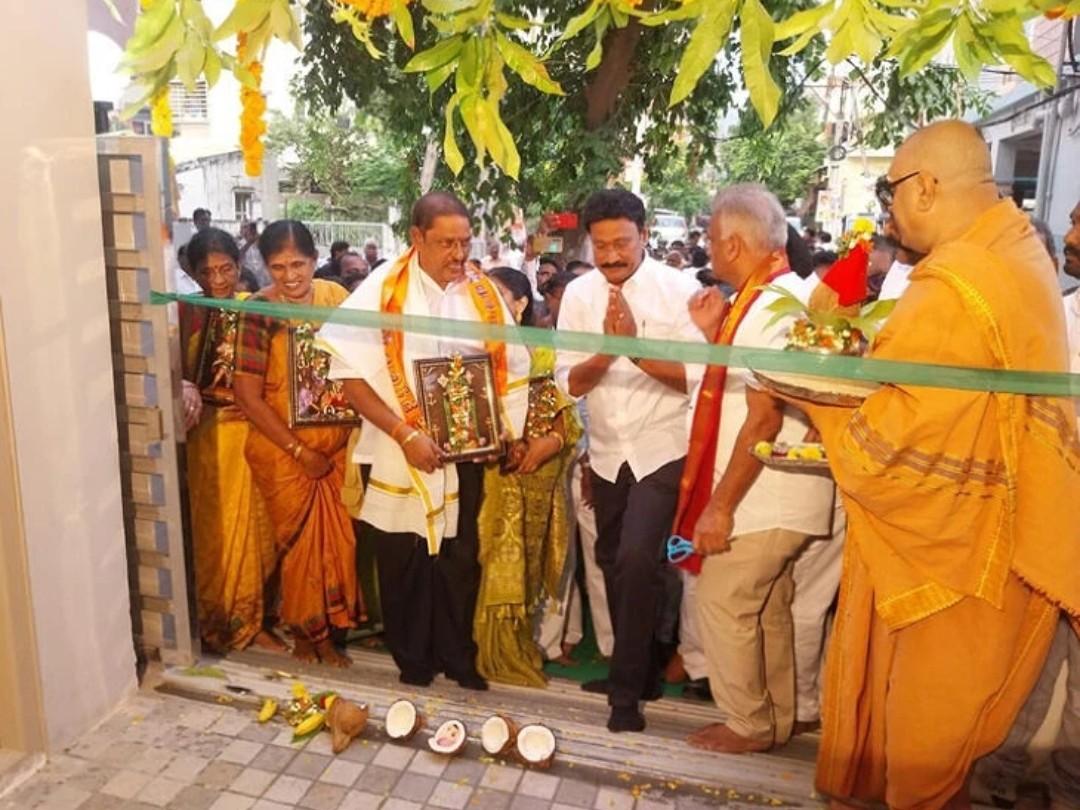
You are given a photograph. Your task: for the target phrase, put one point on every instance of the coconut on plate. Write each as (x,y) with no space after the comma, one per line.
(536,746)
(449,738)
(498,735)
(403,720)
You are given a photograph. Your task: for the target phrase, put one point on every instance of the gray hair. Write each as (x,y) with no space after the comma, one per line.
(756,214)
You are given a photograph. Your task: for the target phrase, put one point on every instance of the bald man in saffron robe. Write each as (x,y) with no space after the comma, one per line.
(963,541)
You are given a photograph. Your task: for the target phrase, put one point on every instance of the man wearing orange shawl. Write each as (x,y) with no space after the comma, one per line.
(420,513)
(961,544)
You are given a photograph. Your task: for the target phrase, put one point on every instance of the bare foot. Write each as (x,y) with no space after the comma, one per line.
(565,660)
(721,739)
(329,655)
(304,650)
(266,640)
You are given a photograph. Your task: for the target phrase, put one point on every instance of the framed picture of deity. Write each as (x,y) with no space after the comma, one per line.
(461,411)
(217,357)
(314,400)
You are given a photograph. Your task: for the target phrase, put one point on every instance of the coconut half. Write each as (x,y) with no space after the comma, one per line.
(536,746)
(498,734)
(403,720)
(449,738)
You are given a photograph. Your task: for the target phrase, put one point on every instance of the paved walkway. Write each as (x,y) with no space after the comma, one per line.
(165,751)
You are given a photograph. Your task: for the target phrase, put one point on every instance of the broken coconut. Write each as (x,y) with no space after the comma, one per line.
(498,734)
(536,746)
(449,738)
(346,721)
(403,720)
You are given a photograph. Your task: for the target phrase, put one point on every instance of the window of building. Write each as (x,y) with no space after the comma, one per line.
(243,205)
(188,105)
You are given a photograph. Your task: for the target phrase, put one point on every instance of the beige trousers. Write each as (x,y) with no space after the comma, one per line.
(744,616)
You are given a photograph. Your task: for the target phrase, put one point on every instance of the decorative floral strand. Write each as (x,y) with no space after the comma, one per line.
(253,103)
(373,8)
(161,114)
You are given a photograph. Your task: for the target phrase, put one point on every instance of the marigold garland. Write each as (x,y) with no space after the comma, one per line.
(161,122)
(253,103)
(375,8)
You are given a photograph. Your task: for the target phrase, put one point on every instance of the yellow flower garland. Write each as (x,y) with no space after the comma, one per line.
(161,122)
(253,103)
(374,8)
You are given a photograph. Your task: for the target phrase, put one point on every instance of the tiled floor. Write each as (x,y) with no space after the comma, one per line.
(161,751)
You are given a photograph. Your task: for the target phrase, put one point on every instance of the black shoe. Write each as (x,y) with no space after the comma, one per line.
(625,718)
(416,678)
(698,689)
(472,681)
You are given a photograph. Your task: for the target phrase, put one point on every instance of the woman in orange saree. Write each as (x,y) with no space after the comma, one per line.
(233,540)
(296,447)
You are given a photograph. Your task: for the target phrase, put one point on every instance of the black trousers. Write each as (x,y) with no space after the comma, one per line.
(428,602)
(633,521)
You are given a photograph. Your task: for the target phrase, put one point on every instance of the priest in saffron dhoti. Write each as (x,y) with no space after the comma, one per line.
(963,543)
(420,511)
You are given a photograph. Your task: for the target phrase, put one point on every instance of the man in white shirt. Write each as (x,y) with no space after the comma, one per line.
(637,435)
(755,519)
(419,512)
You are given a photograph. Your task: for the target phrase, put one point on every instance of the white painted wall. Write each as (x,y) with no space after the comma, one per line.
(52,288)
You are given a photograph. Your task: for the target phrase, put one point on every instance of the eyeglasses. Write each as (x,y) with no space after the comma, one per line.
(885,189)
(448,245)
(678,549)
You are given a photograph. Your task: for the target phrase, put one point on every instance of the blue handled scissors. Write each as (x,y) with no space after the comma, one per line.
(679,548)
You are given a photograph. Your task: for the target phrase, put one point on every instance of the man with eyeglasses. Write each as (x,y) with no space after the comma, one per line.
(420,512)
(960,546)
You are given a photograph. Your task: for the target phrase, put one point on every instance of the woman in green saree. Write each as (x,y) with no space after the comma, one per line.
(525,526)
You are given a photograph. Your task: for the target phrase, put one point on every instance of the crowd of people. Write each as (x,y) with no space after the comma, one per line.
(943,523)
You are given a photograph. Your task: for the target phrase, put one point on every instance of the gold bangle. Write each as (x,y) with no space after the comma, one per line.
(410,437)
(298,450)
(562,441)
(396,428)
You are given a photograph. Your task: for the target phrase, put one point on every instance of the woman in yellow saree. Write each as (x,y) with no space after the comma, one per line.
(296,447)
(524,523)
(233,540)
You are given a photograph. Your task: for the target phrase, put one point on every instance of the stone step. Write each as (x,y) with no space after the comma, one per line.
(657,757)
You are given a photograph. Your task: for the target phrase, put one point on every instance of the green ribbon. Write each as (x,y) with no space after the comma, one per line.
(1045,383)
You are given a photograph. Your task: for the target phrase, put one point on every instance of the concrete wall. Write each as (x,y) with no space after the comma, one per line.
(56,330)
(210,182)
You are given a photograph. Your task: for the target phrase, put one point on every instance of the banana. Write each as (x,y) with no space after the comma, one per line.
(268,710)
(312,723)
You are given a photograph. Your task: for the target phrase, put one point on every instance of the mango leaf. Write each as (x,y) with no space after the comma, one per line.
(245,16)
(160,53)
(204,672)
(800,22)
(212,67)
(150,26)
(709,36)
(756,37)
(455,161)
(577,24)
(473,125)
(403,22)
(689,10)
(489,134)
(189,61)
(468,73)
(449,6)
(113,12)
(592,60)
(436,56)
(437,78)
(496,78)
(514,22)
(512,161)
(525,64)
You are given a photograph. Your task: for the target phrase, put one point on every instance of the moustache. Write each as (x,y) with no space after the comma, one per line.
(1072,252)
(613,265)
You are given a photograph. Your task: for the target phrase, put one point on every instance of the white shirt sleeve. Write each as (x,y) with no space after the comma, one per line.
(572,318)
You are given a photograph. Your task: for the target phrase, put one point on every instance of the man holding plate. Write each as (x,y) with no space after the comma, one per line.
(961,549)
(432,407)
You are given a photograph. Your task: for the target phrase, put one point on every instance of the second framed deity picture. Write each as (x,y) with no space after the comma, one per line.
(461,411)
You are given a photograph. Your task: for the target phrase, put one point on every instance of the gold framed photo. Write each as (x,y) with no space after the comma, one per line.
(461,410)
(314,400)
(217,358)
